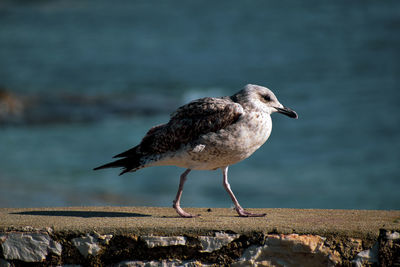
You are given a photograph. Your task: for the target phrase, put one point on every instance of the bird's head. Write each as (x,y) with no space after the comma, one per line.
(264,99)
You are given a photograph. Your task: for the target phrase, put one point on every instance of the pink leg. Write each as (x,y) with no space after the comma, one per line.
(238,208)
(176,202)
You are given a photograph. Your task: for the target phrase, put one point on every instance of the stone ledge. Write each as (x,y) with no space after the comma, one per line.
(147,236)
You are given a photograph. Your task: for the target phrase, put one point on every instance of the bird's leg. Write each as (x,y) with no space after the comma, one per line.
(176,202)
(238,208)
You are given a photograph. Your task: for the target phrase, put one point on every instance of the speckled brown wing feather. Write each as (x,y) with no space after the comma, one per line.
(189,122)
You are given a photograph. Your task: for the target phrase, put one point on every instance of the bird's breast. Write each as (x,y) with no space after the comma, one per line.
(251,132)
(232,144)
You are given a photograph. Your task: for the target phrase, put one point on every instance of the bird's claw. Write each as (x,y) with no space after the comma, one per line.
(243,213)
(183,213)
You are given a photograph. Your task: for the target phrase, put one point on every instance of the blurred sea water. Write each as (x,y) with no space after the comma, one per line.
(107,72)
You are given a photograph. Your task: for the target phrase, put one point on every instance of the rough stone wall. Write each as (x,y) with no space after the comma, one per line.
(45,248)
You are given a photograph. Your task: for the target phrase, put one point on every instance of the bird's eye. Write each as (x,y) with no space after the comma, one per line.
(267,98)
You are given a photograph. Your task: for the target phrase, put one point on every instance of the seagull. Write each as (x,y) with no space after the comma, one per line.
(207,134)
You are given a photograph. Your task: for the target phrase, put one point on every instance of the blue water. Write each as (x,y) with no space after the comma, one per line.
(337,64)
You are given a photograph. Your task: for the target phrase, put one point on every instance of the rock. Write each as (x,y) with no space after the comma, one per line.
(28,247)
(389,248)
(367,257)
(103,239)
(164,241)
(290,250)
(89,244)
(219,240)
(164,263)
(11,107)
(392,235)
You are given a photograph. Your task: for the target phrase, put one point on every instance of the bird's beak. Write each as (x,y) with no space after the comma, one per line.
(287,111)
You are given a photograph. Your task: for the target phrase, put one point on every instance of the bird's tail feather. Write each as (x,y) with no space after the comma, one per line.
(128,164)
(127,153)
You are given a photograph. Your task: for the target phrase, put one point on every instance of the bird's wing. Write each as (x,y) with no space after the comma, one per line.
(189,122)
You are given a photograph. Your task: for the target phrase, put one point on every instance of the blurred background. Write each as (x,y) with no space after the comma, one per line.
(81,81)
